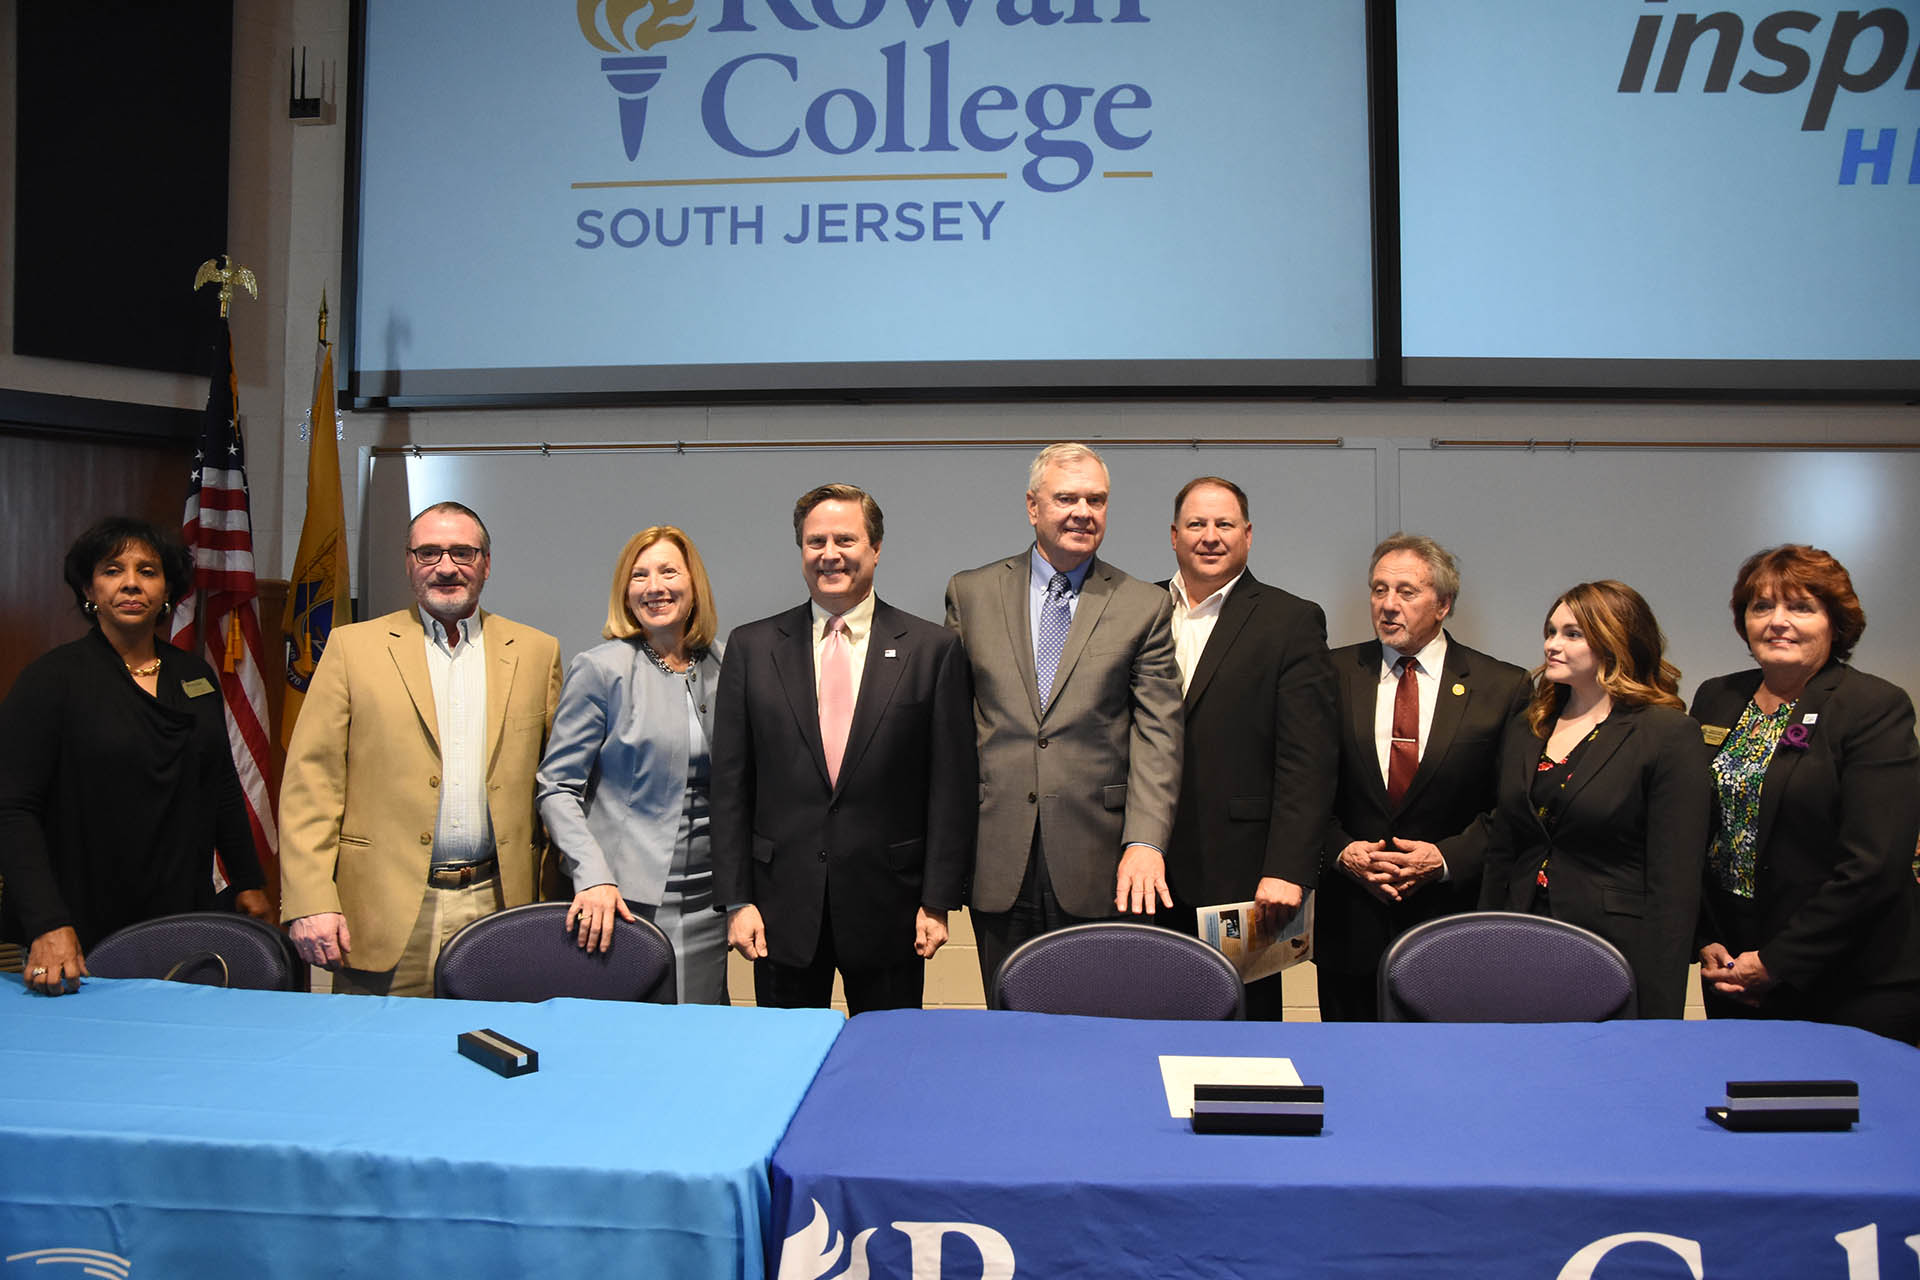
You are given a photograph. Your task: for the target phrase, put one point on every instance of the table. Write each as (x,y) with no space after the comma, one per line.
(200,1132)
(970,1145)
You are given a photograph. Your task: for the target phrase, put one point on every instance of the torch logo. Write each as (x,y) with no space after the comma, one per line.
(624,28)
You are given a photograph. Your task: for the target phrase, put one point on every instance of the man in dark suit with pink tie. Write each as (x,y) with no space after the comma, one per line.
(844,780)
(1420,721)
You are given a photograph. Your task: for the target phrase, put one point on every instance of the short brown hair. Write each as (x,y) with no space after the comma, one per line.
(1218,482)
(1797,569)
(1626,639)
(869,509)
(702,620)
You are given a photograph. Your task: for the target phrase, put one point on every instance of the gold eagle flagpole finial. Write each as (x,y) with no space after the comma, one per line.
(228,275)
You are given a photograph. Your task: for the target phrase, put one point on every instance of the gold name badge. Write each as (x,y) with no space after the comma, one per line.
(196,688)
(1714,734)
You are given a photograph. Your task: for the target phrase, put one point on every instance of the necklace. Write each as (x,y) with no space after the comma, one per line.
(143,672)
(653,656)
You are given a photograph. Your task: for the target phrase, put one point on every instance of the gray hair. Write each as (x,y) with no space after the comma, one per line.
(1446,573)
(1061,454)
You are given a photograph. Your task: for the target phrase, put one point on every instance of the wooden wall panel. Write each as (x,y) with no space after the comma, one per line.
(54,488)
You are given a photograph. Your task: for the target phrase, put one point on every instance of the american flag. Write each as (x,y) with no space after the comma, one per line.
(226,614)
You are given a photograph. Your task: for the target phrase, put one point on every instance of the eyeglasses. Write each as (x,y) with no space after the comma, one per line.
(427,557)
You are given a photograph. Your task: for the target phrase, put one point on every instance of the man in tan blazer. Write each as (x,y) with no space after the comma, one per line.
(407,807)
(1077,716)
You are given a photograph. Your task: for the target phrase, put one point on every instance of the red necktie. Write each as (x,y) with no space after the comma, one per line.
(836,695)
(1403,757)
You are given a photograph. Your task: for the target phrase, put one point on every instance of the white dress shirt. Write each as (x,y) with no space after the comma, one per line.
(1193,625)
(464,830)
(1427,664)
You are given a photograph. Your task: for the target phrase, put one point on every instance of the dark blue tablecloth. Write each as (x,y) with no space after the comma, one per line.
(201,1133)
(988,1140)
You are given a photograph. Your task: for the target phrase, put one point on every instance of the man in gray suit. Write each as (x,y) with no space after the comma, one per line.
(1076,708)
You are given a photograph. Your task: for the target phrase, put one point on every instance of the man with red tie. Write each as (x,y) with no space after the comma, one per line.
(844,778)
(1420,718)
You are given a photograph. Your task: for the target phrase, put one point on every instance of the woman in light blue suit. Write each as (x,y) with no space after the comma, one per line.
(623,787)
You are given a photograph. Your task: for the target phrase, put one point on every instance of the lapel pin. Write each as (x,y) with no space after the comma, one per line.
(1459,691)
(1812,717)
(893,653)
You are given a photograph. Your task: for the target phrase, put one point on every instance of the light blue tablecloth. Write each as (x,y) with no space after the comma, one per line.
(198,1132)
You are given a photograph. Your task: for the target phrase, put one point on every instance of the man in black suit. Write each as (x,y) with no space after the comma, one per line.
(1256,785)
(844,780)
(1420,720)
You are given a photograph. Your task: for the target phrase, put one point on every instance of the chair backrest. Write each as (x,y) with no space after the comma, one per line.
(526,954)
(210,948)
(1117,969)
(1503,966)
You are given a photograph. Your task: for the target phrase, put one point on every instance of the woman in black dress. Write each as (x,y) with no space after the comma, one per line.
(116,780)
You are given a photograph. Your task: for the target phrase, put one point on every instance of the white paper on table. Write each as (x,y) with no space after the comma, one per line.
(1231,929)
(1179,1073)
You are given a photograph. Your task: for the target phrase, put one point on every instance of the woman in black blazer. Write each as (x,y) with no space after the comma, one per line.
(1604,794)
(1810,910)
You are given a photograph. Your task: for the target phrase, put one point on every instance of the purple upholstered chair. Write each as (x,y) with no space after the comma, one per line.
(526,954)
(1503,966)
(208,948)
(1116,969)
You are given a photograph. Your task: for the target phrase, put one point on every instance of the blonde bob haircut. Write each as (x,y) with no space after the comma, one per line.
(701,620)
(1627,642)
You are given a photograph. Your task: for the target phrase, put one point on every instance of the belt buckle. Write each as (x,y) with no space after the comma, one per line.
(458,877)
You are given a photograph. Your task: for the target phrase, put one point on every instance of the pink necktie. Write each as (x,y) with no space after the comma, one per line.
(836,695)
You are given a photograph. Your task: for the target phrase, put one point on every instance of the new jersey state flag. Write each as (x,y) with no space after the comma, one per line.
(317,596)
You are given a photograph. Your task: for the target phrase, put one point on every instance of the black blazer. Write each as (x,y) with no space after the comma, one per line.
(895,834)
(1629,848)
(1256,783)
(1834,890)
(1450,792)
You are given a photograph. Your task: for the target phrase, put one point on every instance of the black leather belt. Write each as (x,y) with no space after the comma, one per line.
(459,877)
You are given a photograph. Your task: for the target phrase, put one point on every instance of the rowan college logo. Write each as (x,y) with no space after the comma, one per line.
(814,1250)
(95,1262)
(626,29)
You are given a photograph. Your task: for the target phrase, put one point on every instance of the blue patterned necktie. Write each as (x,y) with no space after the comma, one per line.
(1055,618)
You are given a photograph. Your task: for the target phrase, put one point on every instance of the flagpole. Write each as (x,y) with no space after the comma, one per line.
(217,527)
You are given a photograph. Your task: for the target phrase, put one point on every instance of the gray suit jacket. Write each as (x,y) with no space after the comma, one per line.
(613,783)
(1099,771)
